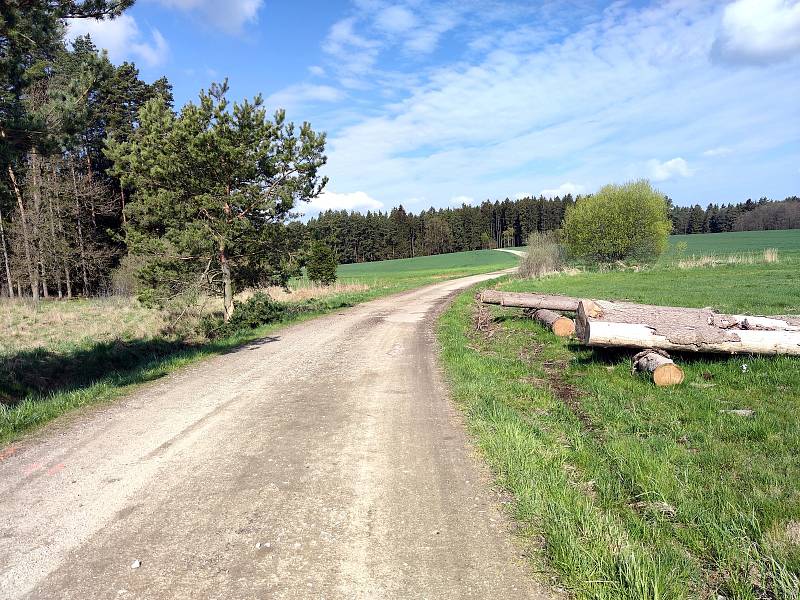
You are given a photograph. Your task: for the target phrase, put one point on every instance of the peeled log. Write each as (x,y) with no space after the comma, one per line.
(626,325)
(534,301)
(558,324)
(663,370)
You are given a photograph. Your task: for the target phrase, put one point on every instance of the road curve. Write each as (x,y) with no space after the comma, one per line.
(323,462)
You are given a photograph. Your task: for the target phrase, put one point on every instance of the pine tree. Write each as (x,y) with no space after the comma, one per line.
(214,186)
(321,266)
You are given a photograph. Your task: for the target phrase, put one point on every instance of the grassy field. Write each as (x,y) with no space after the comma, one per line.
(60,355)
(626,490)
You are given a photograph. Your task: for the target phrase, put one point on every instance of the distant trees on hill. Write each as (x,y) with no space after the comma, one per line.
(745,216)
(357,237)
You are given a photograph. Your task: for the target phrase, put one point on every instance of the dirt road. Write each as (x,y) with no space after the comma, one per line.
(324,462)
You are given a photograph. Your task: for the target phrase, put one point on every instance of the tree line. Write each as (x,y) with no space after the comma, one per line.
(380,235)
(760,215)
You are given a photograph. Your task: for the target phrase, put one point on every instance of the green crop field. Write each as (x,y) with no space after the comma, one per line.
(448,265)
(625,490)
(739,241)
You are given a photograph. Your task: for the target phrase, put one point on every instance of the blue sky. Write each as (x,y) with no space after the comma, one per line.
(435,103)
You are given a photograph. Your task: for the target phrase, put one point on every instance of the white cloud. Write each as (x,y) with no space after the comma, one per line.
(122,39)
(675,167)
(395,19)
(303,93)
(316,70)
(719,151)
(359,201)
(228,15)
(459,200)
(563,190)
(759,31)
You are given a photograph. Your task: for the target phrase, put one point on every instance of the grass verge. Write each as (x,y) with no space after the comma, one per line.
(637,491)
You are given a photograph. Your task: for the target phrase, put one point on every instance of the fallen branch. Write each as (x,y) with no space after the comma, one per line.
(659,365)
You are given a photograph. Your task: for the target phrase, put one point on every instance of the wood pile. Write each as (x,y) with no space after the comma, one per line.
(656,329)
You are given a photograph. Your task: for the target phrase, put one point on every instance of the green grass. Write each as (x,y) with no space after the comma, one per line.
(436,267)
(76,353)
(638,491)
(738,241)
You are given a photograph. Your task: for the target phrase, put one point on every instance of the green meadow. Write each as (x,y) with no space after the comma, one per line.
(625,490)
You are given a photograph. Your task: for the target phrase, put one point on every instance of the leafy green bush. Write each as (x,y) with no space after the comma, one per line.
(254,312)
(619,222)
(321,266)
(543,255)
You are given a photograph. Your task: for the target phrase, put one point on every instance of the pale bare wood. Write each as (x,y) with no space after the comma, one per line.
(558,324)
(534,301)
(660,366)
(622,324)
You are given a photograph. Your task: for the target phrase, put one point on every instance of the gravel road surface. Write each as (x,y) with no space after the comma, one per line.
(325,461)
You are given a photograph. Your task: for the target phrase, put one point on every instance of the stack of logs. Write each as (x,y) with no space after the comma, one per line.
(656,329)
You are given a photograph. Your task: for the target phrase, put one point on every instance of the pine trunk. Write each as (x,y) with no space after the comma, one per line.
(227,283)
(33,273)
(622,324)
(558,324)
(534,301)
(660,367)
(5,257)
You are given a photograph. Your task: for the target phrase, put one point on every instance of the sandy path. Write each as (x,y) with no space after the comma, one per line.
(324,462)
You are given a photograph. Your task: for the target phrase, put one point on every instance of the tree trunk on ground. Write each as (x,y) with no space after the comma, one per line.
(33,273)
(558,324)
(5,257)
(534,301)
(659,365)
(622,324)
(227,283)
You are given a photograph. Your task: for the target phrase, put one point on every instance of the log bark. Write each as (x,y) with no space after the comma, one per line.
(558,324)
(534,301)
(659,365)
(622,324)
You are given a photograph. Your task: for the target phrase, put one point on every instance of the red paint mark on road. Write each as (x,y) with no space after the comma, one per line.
(7,452)
(32,468)
(55,469)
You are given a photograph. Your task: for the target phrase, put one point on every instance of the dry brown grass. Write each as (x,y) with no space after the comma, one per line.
(306,291)
(25,324)
(769,255)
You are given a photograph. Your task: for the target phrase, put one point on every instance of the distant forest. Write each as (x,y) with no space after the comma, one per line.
(399,234)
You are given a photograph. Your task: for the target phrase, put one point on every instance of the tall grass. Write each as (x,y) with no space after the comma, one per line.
(543,255)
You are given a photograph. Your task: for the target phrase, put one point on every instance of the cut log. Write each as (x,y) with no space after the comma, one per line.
(622,324)
(660,366)
(558,324)
(534,301)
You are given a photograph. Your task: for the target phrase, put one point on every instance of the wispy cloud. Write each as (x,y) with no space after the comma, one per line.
(303,93)
(590,106)
(719,151)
